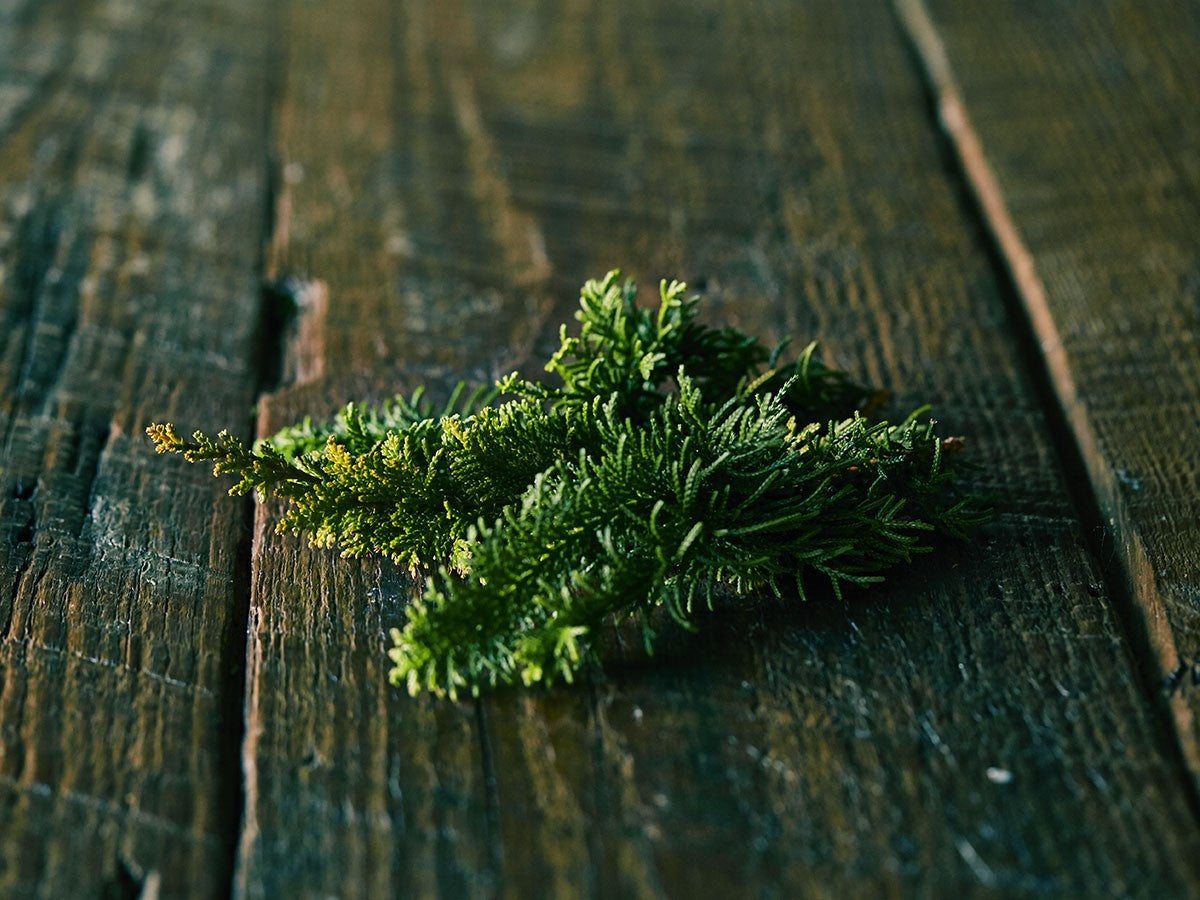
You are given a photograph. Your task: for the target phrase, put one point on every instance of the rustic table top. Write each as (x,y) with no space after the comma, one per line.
(992,206)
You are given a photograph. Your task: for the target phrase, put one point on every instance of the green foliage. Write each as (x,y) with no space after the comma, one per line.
(670,459)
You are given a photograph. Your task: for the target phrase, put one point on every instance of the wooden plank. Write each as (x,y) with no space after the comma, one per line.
(453,171)
(1089,121)
(131,186)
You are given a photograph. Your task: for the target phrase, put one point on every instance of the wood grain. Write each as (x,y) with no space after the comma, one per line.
(1102,190)
(452,171)
(131,196)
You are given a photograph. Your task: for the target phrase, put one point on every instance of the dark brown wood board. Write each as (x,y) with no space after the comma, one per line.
(451,171)
(131,214)
(1089,119)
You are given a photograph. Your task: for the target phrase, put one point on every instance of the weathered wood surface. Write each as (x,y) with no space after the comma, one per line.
(452,171)
(131,198)
(1089,117)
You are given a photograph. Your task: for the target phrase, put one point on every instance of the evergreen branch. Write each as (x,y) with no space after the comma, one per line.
(664,514)
(264,469)
(670,460)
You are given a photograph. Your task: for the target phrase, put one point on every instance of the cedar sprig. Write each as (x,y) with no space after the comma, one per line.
(669,461)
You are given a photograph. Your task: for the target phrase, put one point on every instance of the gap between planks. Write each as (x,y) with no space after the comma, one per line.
(277,314)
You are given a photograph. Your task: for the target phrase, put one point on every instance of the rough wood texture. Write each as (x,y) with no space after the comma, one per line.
(452,171)
(131,186)
(1090,119)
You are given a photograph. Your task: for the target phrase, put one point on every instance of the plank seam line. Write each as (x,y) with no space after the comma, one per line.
(1127,572)
(270,344)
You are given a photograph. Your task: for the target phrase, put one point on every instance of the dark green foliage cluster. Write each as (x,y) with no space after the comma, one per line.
(669,460)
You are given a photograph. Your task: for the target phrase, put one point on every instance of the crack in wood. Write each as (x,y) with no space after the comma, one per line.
(175,684)
(23,496)
(139,153)
(91,445)
(487,762)
(22,536)
(44,790)
(292,332)
(234,691)
(278,306)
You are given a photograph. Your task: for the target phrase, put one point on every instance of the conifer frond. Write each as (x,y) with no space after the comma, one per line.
(670,460)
